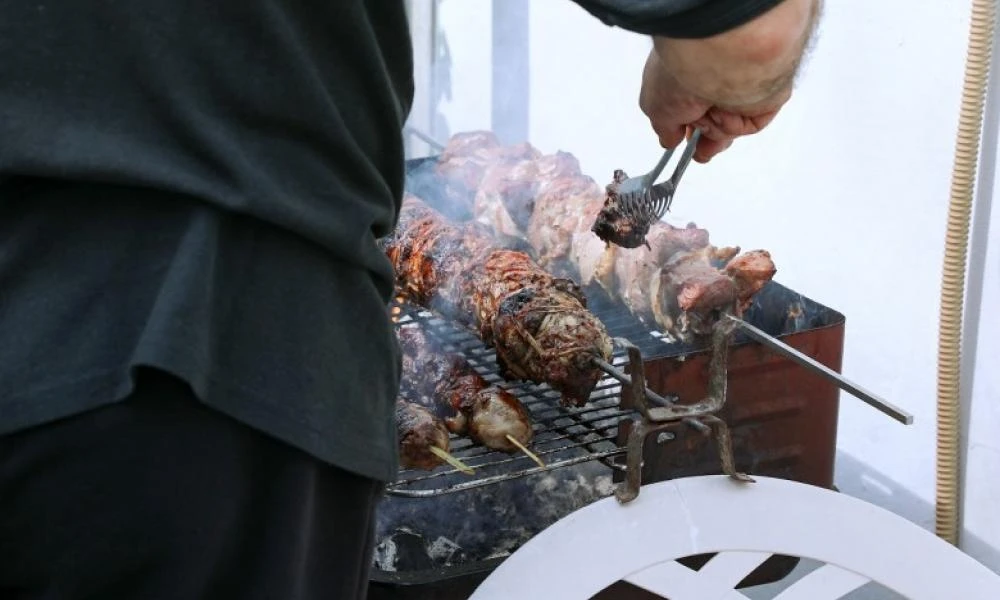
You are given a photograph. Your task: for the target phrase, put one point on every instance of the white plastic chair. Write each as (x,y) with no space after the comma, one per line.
(606,542)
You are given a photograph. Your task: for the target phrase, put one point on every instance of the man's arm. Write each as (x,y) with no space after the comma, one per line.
(747,64)
(725,66)
(680,19)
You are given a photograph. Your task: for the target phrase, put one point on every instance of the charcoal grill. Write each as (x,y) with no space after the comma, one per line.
(440,533)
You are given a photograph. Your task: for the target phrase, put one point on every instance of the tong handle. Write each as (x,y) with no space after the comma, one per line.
(692,145)
(649,178)
(682,164)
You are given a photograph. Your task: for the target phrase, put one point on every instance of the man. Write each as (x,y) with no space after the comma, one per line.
(197,367)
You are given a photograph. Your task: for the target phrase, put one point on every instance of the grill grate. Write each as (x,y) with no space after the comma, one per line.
(571,436)
(563,436)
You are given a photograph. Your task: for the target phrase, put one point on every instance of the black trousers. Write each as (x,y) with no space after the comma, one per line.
(160,497)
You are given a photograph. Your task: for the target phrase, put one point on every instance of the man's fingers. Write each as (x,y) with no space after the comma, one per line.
(669,107)
(670,137)
(750,121)
(734,125)
(708,148)
(674,111)
(713,140)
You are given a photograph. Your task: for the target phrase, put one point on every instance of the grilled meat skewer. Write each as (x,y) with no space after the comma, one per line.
(450,388)
(467,156)
(538,323)
(423,439)
(418,430)
(673,279)
(492,416)
(675,282)
(506,195)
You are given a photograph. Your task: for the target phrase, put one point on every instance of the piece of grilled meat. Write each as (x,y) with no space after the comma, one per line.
(751,271)
(467,404)
(418,430)
(467,156)
(489,412)
(613,224)
(505,199)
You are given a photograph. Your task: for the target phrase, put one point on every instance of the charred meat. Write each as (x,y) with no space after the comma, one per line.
(614,225)
(431,258)
(427,373)
(543,334)
(418,429)
(452,390)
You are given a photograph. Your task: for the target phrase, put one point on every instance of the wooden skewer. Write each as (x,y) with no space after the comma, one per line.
(530,454)
(451,460)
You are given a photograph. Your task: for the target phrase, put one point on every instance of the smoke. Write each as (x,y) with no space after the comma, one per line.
(482,523)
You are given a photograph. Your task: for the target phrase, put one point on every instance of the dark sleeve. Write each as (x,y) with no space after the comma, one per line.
(677,18)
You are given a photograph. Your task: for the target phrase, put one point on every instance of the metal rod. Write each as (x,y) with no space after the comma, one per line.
(848,386)
(425,138)
(618,374)
(652,396)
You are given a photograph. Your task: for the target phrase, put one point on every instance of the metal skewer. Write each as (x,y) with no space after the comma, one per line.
(854,389)
(651,396)
(620,375)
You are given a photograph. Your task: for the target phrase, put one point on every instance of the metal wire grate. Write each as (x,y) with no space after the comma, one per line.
(563,436)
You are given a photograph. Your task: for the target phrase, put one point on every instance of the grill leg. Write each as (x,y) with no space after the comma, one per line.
(628,490)
(725,445)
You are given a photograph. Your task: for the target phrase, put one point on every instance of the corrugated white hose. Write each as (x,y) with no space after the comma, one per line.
(963,178)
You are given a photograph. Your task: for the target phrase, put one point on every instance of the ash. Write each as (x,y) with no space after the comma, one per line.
(474,525)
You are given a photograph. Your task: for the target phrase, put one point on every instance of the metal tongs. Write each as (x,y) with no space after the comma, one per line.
(645,202)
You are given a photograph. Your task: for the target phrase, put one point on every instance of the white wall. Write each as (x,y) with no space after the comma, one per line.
(847,188)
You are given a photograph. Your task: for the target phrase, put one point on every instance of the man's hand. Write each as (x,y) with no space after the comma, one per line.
(730,85)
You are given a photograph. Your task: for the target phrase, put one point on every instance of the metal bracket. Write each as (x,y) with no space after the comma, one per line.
(699,416)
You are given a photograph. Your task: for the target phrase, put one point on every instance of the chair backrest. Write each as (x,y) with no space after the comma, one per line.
(857,543)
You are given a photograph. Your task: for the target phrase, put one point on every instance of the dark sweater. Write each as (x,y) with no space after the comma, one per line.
(199,187)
